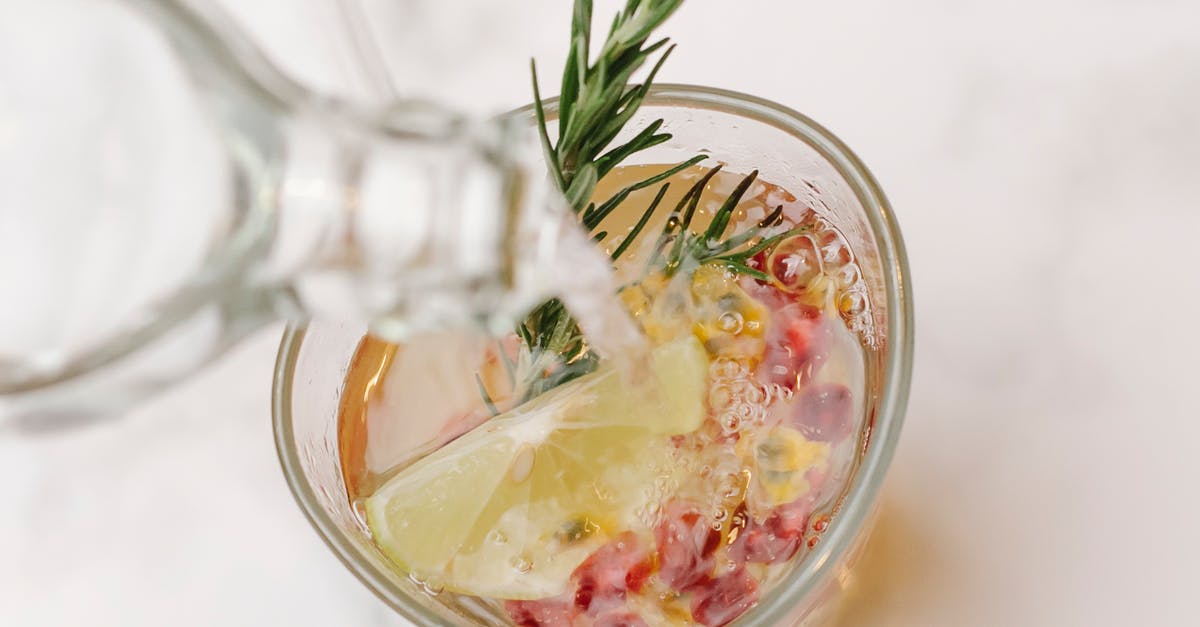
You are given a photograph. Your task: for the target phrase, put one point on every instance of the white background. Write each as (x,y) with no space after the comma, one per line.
(1043,158)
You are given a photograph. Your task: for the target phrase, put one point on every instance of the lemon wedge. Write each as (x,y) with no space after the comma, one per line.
(511,508)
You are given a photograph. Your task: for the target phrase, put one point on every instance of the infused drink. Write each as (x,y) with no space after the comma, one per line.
(535,478)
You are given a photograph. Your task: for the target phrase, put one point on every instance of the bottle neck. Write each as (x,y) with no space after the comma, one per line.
(410,229)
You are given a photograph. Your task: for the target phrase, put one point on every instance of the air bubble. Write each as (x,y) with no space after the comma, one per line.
(731,322)
(847,276)
(521,563)
(719,397)
(755,394)
(725,369)
(783,392)
(795,262)
(852,303)
(834,251)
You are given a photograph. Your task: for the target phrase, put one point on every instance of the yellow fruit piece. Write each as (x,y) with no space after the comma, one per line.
(510,509)
(729,322)
(661,305)
(782,458)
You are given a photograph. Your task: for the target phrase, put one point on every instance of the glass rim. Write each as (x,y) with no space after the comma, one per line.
(884,434)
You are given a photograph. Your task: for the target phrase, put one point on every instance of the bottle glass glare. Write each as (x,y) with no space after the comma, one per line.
(167,190)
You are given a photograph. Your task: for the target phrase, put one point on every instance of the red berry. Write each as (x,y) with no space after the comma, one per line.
(718,601)
(798,343)
(775,539)
(619,618)
(605,576)
(791,518)
(552,612)
(686,543)
(824,412)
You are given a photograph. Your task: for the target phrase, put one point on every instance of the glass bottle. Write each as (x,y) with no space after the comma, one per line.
(167,191)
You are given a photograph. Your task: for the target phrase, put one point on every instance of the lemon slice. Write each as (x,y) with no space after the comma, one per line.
(511,508)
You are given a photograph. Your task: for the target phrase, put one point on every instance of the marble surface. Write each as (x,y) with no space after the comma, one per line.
(1043,161)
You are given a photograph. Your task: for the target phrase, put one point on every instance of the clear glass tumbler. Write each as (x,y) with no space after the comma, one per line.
(745,133)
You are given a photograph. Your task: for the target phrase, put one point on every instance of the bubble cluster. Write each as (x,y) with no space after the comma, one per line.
(820,263)
(735,397)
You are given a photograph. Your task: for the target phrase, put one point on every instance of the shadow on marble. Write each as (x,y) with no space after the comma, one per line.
(897,568)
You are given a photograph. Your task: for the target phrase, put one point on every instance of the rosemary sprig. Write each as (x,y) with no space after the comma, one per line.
(595,103)
(597,99)
(709,247)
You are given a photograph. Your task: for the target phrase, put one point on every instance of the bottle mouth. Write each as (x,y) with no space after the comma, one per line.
(823,563)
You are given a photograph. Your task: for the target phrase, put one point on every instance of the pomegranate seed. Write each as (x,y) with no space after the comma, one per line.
(823,412)
(775,539)
(798,343)
(619,618)
(716,602)
(686,543)
(605,576)
(551,612)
